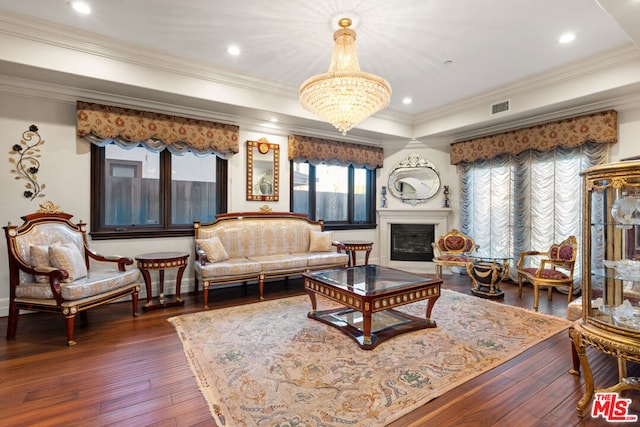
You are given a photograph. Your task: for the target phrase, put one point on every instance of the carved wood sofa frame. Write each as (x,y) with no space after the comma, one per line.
(453,249)
(53,293)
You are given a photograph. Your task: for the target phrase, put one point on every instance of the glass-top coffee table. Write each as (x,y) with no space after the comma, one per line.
(369,294)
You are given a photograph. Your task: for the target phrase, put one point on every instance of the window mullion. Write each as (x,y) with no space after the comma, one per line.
(312,192)
(351,196)
(165,188)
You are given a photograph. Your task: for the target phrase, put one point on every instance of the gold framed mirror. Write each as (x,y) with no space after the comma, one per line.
(263,164)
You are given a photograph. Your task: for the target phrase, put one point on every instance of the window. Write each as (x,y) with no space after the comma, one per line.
(342,196)
(528,201)
(141,193)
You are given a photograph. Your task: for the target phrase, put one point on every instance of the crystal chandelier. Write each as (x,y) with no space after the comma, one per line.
(344,96)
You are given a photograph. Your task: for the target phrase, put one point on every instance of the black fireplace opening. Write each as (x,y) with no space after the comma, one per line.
(412,242)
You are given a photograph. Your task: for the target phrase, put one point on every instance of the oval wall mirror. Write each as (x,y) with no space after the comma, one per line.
(414,180)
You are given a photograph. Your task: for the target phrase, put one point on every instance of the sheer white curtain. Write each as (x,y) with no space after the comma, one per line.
(528,201)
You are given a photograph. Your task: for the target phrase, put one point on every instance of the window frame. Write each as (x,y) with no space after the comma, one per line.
(164,229)
(340,225)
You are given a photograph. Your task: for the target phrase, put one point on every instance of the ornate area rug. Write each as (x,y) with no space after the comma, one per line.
(267,364)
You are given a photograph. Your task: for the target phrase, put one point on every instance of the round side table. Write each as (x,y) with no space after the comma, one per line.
(351,246)
(161,261)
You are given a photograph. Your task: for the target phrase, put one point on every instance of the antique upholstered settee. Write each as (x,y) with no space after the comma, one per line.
(52,269)
(453,249)
(241,247)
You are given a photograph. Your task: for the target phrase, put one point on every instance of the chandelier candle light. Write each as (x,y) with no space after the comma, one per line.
(344,96)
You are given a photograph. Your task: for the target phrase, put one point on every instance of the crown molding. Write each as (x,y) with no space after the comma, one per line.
(600,63)
(52,34)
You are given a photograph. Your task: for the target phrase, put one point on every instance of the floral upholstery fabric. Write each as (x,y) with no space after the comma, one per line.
(47,235)
(261,247)
(231,267)
(547,273)
(322,258)
(96,282)
(320,241)
(39,257)
(43,236)
(213,248)
(69,258)
(561,252)
(455,243)
(457,258)
(257,237)
(281,262)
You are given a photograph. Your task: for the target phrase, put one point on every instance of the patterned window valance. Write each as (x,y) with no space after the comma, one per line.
(318,150)
(573,132)
(100,123)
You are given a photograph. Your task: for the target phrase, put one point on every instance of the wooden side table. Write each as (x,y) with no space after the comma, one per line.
(351,246)
(161,261)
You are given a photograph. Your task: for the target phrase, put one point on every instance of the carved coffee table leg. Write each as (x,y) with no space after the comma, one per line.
(366,328)
(430,303)
(312,297)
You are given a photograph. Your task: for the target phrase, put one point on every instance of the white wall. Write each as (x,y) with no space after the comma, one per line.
(65,170)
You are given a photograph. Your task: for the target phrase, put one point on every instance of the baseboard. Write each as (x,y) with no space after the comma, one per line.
(4,307)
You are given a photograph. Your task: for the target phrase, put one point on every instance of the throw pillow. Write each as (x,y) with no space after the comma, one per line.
(320,241)
(69,258)
(39,258)
(213,248)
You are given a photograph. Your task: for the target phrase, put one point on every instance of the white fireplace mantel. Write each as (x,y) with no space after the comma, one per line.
(438,217)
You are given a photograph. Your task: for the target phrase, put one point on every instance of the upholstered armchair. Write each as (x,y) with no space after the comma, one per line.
(550,269)
(51,269)
(453,249)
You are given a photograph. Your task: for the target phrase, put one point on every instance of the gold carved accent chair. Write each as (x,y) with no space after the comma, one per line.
(453,249)
(52,269)
(555,269)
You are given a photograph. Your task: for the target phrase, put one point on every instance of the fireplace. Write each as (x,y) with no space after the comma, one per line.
(411,242)
(438,218)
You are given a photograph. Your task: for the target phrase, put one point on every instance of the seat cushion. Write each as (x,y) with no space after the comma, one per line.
(324,258)
(96,282)
(227,268)
(454,258)
(547,273)
(284,262)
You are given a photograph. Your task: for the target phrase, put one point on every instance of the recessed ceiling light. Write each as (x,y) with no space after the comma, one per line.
(407,100)
(567,38)
(80,7)
(233,50)
(447,62)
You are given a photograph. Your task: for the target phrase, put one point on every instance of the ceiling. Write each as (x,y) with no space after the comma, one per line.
(438,52)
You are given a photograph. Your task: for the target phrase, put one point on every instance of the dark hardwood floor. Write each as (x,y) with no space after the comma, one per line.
(132,372)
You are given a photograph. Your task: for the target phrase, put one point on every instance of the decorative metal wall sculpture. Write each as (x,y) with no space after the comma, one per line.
(26,162)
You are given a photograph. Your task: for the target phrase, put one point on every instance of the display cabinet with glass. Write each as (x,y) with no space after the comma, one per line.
(611,272)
